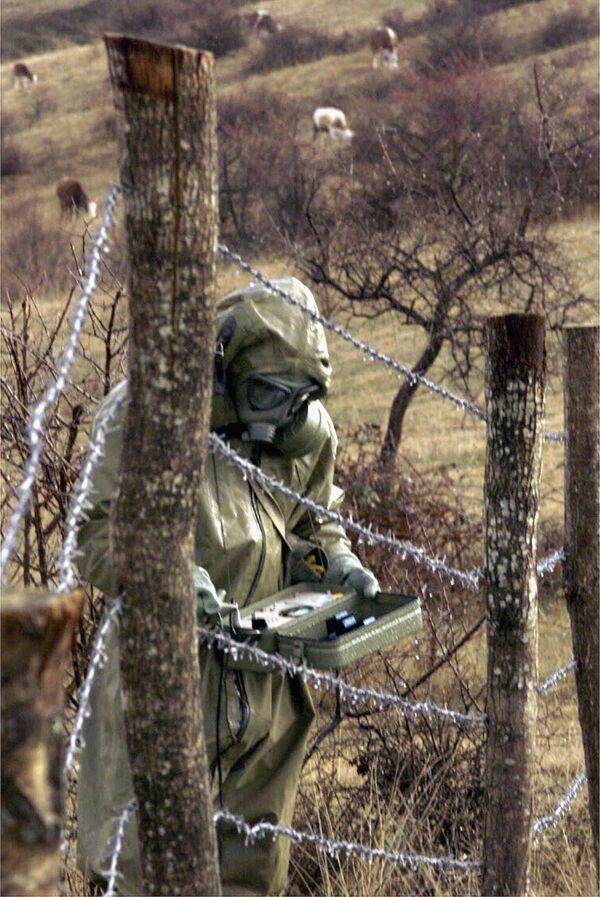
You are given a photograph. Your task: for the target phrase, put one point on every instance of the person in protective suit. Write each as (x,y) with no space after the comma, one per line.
(271,370)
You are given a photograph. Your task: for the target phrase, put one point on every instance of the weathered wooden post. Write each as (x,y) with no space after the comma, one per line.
(515,380)
(37,635)
(582,536)
(166,95)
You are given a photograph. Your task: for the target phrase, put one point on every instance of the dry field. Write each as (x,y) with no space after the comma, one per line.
(65,125)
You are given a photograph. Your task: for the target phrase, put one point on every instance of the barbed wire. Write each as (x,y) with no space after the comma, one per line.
(471,579)
(36,424)
(368,533)
(112,870)
(334,848)
(555,677)
(549,564)
(551,821)
(97,660)
(80,501)
(321,679)
(370,351)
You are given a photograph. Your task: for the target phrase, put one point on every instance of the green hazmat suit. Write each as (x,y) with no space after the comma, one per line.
(251,543)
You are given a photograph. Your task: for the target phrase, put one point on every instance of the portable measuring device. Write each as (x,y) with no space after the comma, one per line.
(325,629)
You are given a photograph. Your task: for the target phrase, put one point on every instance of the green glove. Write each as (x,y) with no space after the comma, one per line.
(347,570)
(209,601)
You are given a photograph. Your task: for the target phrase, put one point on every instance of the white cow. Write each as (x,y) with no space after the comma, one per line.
(22,76)
(330,123)
(384,46)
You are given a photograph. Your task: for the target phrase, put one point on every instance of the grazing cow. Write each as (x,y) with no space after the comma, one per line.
(384,46)
(330,123)
(22,76)
(261,23)
(73,198)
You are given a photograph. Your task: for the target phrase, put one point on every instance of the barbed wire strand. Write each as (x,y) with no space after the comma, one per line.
(555,677)
(112,870)
(36,424)
(370,351)
(471,579)
(334,848)
(549,564)
(321,679)
(551,821)
(80,499)
(368,533)
(97,660)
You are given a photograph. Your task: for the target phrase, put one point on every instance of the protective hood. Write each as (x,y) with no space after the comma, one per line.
(263,333)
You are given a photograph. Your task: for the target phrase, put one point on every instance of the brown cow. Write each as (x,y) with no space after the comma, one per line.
(22,76)
(384,46)
(72,198)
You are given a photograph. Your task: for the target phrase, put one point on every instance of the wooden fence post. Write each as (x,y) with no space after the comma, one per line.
(515,380)
(582,534)
(169,175)
(37,635)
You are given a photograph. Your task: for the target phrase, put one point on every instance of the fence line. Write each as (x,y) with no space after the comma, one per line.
(334,848)
(35,428)
(80,501)
(370,351)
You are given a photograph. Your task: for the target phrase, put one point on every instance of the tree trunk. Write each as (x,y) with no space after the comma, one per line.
(169,176)
(37,635)
(582,535)
(402,400)
(515,379)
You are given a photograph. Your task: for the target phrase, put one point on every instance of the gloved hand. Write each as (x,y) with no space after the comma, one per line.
(347,570)
(209,601)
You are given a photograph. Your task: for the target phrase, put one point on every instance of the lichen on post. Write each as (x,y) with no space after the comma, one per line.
(515,382)
(168,162)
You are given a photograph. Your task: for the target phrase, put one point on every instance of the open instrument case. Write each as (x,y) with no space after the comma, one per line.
(308,624)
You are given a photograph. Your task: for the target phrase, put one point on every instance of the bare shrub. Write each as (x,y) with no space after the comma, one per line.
(466,42)
(294,45)
(13,158)
(395,18)
(267,183)
(33,255)
(220,32)
(568,27)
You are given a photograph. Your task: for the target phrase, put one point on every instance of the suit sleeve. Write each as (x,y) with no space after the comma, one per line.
(327,534)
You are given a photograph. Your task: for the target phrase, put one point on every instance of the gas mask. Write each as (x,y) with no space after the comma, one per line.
(274,407)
